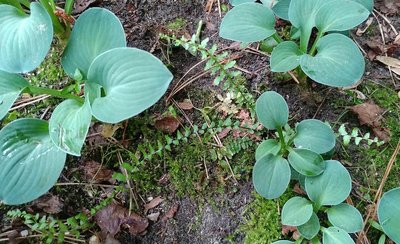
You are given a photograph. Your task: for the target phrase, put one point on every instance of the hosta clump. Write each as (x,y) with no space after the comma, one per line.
(326,193)
(333,59)
(294,154)
(119,82)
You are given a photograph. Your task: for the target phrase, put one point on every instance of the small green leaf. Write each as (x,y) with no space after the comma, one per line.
(269,146)
(296,211)
(132,79)
(314,135)
(334,235)
(248,22)
(310,228)
(389,214)
(272,110)
(95,31)
(340,15)
(24,39)
(271,176)
(285,57)
(330,188)
(11,86)
(306,162)
(338,62)
(69,125)
(30,163)
(345,217)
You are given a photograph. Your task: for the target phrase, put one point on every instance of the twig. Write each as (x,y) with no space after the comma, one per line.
(29,103)
(387,21)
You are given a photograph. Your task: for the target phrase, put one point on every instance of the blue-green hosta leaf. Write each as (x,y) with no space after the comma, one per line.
(11,86)
(272,110)
(237,2)
(314,135)
(283,242)
(369,4)
(97,30)
(296,211)
(285,57)
(338,62)
(30,163)
(24,39)
(306,162)
(248,22)
(345,217)
(330,188)
(69,125)
(340,15)
(281,9)
(271,176)
(302,21)
(334,235)
(269,146)
(389,214)
(132,79)
(310,228)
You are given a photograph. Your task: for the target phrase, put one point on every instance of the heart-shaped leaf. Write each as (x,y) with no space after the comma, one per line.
(314,135)
(30,163)
(95,31)
(69,125)
(281,9)
(338,62)
(334,235)
(285,57)
(306,162)
(269,146)
(330,188)
(248,22)
(310,228)
(272,110)
(24,39)
(345,217)
(296,211)
(340,15)
(132,79)
(389,214)
(11,86)
(271,176)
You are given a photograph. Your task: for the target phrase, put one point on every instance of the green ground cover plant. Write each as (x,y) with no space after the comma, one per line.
(119,83)
(332,59)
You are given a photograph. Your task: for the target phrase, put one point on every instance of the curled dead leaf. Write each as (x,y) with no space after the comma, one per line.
(95,172)
(167,124)
(186,104)
(368,114)
(50,204)
(152,204)
(171,212)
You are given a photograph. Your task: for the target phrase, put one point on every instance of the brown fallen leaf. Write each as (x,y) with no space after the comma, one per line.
(50,204)
(382,133)
(368,114)
(95,172)
(389,61)
(286,229)
(108,130)
(186,104)
(113,216)
(171,212)
(167,124)
(224,133)
(152,204)
(297,188)
(81,5)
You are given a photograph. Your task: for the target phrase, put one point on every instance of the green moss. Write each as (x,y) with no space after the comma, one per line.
(262,224)
(177,24)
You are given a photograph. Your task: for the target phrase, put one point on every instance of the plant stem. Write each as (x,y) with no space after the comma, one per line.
(314,46)
(53,92)
(277,38)
(281,139)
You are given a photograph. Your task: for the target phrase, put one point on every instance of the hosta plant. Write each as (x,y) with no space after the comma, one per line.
(294,154)
(119,82)
(325,196)
(331,59)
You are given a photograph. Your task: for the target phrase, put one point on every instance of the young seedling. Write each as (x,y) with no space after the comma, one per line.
(333,58)
(119,83)
(294,154)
